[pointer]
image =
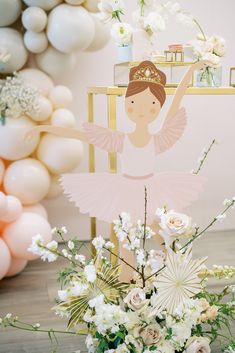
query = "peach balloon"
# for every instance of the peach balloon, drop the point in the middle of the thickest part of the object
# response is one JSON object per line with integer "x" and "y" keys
{"x": 60, "y": 96}
{"x": 63, "y": 117}
{"x": 38, "y": 79}
{"x": 2, "y": 170}
{"x": 28, "y": 180}
{"x": 44, "y": 110}
{"x": 38, "y": 209}
{"x": 55, "y": 188}
{"x": 16, "y": 266}
{"x": 3, "y": 204}
{"x": 60, "y": 155}
{"x": 18, "y": 235}
{"x": 12, "y": 136}
{"x": 2, "y": 225}
{"x": 5, "y": 259}
{"x": 13, "y": 209}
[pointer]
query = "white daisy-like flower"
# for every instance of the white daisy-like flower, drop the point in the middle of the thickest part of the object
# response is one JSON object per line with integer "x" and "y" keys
{"x": 178, "y": 281}
{"x": 90, "y": 273}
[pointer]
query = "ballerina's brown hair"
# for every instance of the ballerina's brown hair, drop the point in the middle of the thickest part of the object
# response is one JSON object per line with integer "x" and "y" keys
{"x": 144, "y": 76}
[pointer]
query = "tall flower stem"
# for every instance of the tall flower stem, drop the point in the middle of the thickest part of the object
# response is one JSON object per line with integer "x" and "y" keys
{"x": 200, "y": 28}
{"x": 145, "y": 225}
{"x": 205, "y": 155}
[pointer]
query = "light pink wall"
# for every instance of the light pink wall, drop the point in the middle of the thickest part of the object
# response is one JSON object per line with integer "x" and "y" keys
{"x": 208, "y": 117}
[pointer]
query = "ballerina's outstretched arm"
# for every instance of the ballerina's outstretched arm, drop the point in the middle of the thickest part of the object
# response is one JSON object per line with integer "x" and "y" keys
{"x": 181, "y": 89}
{"x": 104, "y": 138}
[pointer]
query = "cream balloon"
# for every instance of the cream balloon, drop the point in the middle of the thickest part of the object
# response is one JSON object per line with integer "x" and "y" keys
{"x": 74, "y": 2}
{"x": 28, "y": 180}
{"x": 34, "y": 19}
{"x": 58, "y": 154}
{"x": 38, "y": 79}
{"x": 13, "y": 209}
{"x": 13, "y": 145}
{"x": 12, "y": 41}
{"x": 2, "y": 170}
{"x": 91, "y": 5}
{"x": 102, "y": 34}
{"x": 16, "y": 266}
{"x": 9, "y": 11}
{"x": 44, "y": 109}
{"x": 18, "y": 235}
{"x": 55, "y": 188}
{"x": 3, "y": 204}
{"x": 35, "y": 42}
{"x": 55, "y": 63}
{"x": 63, "y": 117}
{"x": 44, "y": 4}
{"x": 5, "y": 259}
{"x": 38, "y": 209}
{"x": 60, "y": 96}
{"x": 70, "y": 28}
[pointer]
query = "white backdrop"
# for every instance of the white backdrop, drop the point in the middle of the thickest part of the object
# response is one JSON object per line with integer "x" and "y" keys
{"x": 208, "y": 117}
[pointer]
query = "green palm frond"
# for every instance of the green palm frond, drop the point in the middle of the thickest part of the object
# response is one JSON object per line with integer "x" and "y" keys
{"x": 107, "y": 283}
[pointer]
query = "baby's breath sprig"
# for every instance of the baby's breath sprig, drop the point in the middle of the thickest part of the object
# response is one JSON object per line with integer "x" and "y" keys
{"x": 204, "y": 156}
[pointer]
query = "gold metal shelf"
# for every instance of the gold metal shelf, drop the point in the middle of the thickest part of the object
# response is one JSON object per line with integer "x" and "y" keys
{"x": 120, "y": 91}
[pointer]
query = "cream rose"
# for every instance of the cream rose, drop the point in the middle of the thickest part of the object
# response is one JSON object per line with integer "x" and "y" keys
{"x": 198, "y": 345}
{"x": 150, "y": 334}
{"x": 136, "y": 299}
{"x": 204, "y": 304}
{"x": 212, "y": 312}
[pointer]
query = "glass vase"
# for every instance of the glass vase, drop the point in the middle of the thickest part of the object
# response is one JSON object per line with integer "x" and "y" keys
{"x": 124, "y": 53}
{"x": 209, "y": 77}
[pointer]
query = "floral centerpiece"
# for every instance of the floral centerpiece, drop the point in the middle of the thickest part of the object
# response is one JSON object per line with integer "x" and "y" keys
{"x": 165, "y": 308}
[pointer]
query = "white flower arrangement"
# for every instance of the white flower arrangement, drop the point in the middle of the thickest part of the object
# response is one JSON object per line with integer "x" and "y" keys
{"x": 165, "y": 308}
{"x": 122, "y": 33}
{"x": 17, "y": 98}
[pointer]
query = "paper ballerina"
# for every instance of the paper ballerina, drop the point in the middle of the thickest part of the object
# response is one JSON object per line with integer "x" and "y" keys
{"x": 106, "y": 195}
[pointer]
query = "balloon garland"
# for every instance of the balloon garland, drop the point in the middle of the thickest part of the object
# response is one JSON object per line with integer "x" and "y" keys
{"x": 29, "y": 170}
{"x": 52, "y": 31}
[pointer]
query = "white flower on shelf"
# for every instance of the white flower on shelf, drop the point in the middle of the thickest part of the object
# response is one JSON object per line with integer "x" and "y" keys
{"x": 90, "y": 273}
{"x": 185, "y": 18}
{"x": 122, "y": 33}
{"x": 154, "y": 22}
{"x": 109, "y": 7}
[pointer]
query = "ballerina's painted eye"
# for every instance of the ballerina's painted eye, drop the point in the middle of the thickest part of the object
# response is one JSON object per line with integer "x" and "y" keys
{"x": 132, "y": 102}
{"x": 154, "y": 102}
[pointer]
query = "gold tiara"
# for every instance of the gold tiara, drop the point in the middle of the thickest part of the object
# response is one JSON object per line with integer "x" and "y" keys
{"x": 147, "y": 74}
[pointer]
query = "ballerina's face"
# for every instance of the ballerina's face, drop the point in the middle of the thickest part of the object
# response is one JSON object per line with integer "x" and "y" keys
{"x": 142, "y": 107}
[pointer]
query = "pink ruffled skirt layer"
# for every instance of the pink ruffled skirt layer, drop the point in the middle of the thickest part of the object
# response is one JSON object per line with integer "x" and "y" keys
{"x": 105, "y": 195}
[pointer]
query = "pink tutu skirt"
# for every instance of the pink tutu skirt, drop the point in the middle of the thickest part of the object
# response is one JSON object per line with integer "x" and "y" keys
{"x": 106, "y": 195}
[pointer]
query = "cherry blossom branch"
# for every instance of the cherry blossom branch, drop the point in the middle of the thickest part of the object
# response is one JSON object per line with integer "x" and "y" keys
{"x": 205, "y": 155}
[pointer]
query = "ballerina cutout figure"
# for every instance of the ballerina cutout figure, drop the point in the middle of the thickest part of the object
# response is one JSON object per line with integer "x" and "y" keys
{"x": 106, "y": 195}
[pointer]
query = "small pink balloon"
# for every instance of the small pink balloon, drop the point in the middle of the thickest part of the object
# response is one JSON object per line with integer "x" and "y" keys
{"x": 5, "y": 259}
{"x": 18, "y": 235}
{"x": 3, "y": 204}
{"x": 2, "y": 170}
{"x": 16, "y": 266}
{"x": 13, "y": 209}
{"x": 38, "y": 209}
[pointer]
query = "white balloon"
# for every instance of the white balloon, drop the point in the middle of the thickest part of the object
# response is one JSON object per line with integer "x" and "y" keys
{"x": 34, "y": 19}
{"x": 70, "y": 28}
{"x": 55, "y": 63}
{"x": 9, "y": 11}
{"x": 91, "y": 5}
{"x": 38, "y": 79}
{"x": 38, "y": 209}
{"x": 13, "y": 209}
{"x": 63, "y": 117}
{"x": 102, "y": 34}
{"x": 60, "y": 155}
{"x": 44, "y": 4}
{"x": 12, "y": 41}
{"x": 60, "y": 96}
{"x": 28, "y": 180}
{"x": 74, "y": 2}
{"x": 2, "y": 171}
{"x": 55, "y": 188}
{"x": 35, "y": 42}
{"x": 44, "y": 110}
{"x": 13, "y": 145}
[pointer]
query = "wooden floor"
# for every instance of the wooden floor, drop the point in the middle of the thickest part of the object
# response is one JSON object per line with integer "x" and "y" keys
{"x": 30, "y": 296}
